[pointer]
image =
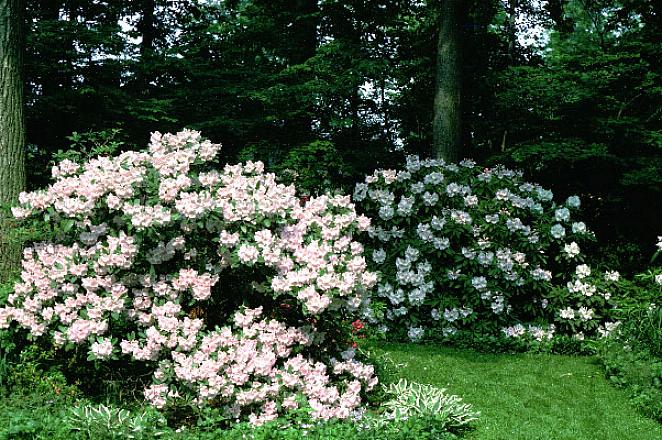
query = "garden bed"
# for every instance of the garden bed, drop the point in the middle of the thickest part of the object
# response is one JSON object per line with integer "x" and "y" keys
{"x": 520, "y": 396}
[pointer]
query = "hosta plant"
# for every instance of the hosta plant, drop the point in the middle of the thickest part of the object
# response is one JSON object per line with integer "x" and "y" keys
{"x": 219, "y": 281}
{"x": 410, "y": 400}
{"x": 102, "y": 421}
{"x": 465, "y": 248}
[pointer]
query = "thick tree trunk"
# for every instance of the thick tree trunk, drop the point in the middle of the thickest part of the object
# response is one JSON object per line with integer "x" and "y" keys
{"x": 12, "y": 127}
{"x": 556, "y": 11}
{"x": 305, "y": 30}
{"x": 146, "y": 27}
{"x": 304, "y": 38}
{"x": 447, "y": 122}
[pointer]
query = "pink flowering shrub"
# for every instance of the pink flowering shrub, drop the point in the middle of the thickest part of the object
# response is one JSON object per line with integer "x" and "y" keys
{"x": 155, "y": 250}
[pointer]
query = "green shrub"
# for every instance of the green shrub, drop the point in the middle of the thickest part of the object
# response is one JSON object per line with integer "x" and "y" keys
{"x": 136, "y": 279}
{"x": 637, "y": 370}
{"x": 314, "y": 168}
{"x": 632, "y": 356}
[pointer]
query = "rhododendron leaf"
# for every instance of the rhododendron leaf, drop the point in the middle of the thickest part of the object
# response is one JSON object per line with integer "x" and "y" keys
{"x": 67, "y": 225}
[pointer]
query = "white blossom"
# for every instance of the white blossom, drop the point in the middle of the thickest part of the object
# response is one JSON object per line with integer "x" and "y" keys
{"x": 557, "y": 231}
{"x": 579, "y": 228}
{"x": 583, "y": 271}
{"x": 573, "y": 202}
{"x": 567, "y": 313}
{"x": 415, "y": 333}
{"x": 562, "y": 215}
{"x": 379, "y": 255}
{"x": 572, "y": 249}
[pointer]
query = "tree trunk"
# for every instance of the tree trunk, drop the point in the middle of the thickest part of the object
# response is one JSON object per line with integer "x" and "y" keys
{"x": 447, "y": 122}
{"x": 556, "y": 11}
{"x": 512, "y": 29}
{"x": 304, "y": 38}
{"x": 147, "y": 28}
{"x": 12, "y": 128}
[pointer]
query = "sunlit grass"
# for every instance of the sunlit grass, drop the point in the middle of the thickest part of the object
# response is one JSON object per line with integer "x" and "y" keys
{"x": 528, "y": 396}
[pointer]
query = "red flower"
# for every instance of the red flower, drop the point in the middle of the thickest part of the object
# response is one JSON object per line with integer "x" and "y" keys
{"x": 358, "y": 325}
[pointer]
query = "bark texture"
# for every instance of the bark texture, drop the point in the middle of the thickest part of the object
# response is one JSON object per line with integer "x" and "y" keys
{"x": 12, "y": 128}
{"x": 447, "y": 122}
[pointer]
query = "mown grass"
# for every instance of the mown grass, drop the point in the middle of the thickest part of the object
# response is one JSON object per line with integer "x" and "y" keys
{"x": 527, "y": 396}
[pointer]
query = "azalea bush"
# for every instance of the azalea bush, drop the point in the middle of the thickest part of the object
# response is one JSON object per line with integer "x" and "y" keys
{"x": 221, "y": 283}
{"x": 462, "y": 248}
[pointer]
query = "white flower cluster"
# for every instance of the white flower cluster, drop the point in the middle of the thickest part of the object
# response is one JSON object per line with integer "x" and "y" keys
{"x": 459, "y": 246}
{"x": 587, "y": 302}
{"x": 536, "y": 332}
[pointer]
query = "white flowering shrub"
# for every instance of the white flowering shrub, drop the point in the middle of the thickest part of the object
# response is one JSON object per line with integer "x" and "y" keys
{"x": 584, "y": 305}
{"x": 220, "y": 282}
{"x": 465, "y": 248}
{"x": 657, "y": 273}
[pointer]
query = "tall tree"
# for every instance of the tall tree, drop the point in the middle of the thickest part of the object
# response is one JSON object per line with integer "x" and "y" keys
{"x": 511, "y": 28}
{"x": 12, "y": 125}
{"x": 447, "y": 122}
{"x": 557, "y": 13}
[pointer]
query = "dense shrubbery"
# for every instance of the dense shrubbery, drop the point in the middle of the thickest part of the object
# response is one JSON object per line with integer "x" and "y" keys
{"x": 464, "y": 248}
{"x": 632, "y": 356}
{"x": 632, "y": 359}
{"x": 236, "y": 296}
{"x": 221, "y": 283}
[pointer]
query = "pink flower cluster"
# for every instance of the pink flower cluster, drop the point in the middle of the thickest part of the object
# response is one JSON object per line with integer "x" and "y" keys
{"x": 152, "y": 233}
{"x": 253, "y": 371}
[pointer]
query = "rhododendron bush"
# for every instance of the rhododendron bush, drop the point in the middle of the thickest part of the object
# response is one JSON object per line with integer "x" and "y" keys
{"x": 221, "y": 282}
{"x": 465, "y": 248}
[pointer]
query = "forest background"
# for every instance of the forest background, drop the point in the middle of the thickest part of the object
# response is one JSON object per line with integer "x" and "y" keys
{"x": 324, "y": 92}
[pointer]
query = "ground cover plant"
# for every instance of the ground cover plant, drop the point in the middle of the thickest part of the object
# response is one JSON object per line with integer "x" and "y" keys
{"x": 464, "y": 248}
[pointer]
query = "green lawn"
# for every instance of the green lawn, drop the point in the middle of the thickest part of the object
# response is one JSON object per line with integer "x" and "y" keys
{"x": 528, "y": 396}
